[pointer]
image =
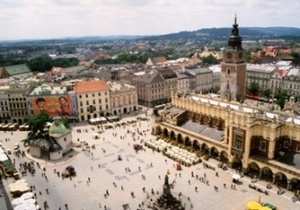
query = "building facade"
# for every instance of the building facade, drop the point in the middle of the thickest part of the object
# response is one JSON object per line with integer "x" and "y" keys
{"x": 123, "y": 98}
{"x": 291, "y": 82}
{"x": 93, "y": 99}
{"x": 150, "y": 87}
{"x": 244, "y": 137}
{"x": 261, "y": 141}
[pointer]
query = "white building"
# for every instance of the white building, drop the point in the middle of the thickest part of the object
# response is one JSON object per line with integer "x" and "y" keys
{"x": 93, "y": 99}
{"x": 123, "y": 98}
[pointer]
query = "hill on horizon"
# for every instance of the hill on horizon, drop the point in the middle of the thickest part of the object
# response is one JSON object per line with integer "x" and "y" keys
{"x": 249, "y": 33}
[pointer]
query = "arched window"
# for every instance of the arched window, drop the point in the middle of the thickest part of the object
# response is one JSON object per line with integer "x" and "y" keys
{"x": 228, "y": 71}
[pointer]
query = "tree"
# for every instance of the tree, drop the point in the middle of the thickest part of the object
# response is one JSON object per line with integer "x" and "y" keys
{"x": 210, "y": 60}
{"x": 281, "y": 96}
{"x": 253, "y": 88}
{"x": 37, "y": 124}
{"x": 267, "y": 93}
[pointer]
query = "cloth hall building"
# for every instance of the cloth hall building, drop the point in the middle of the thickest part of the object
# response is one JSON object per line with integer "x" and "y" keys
{"x": 263, "y": 141}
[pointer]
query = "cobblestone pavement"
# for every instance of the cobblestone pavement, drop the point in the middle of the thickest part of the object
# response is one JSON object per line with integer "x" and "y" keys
{"x": 144, "y": 169}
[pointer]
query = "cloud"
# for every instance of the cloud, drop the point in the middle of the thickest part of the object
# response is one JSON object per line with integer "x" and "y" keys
{"x": 59, "y": 18}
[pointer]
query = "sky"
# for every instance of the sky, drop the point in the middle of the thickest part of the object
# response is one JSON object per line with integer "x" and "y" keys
{"x": 50, "y": 19}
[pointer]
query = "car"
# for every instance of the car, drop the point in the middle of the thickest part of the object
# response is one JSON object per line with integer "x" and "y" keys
{"x": 69, "y": 171}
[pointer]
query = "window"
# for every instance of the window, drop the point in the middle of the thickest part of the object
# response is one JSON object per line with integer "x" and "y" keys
{"x": 86, "y": 95}
{"x": 263, "y": 145}
{"x": 80, "y": 96}
{"x": 87, "y": 102}
{"x": 228, "y": 71}
{"x": 99, "y": 94}
{"x": 93, "y": 95}
{"x": 298, "y": 148}
{"x": 238, "y": 142}
{"x": 286, "y": 144}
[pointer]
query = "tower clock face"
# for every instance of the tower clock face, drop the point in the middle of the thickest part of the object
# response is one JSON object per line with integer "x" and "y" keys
{"x": 229, "y": 55}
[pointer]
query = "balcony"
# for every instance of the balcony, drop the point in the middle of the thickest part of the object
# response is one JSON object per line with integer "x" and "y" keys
{"x": 236, "y": 151}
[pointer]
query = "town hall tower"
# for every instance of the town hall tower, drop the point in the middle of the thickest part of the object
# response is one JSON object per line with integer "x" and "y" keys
{"x": 233, "y": 68}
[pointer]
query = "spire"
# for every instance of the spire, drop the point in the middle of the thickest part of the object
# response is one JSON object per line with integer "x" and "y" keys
{"x": 235, "y": 18}
{"x": 235, "y": 41}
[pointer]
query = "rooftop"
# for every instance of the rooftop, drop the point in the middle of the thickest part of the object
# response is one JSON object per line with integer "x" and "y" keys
{"x": 91, "y": 86}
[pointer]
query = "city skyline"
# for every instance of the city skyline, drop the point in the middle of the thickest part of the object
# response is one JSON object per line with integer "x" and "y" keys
{"x": 48, "y": 19}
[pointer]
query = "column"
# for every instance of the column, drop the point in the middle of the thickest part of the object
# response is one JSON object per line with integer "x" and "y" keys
{"x": 260, "y": 173}
{"x": 288, "y": 187}
{"x": 247, "y": 148}
{"x": 271, "y": 149}
{"x": 274, "y": 177}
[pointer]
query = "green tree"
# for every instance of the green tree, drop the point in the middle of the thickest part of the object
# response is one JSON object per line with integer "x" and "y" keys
{"x": 209, "y": 60}
{"x": 267, "y": 93}
{"x": 37, "y": 124}
{"x": 253, "y": 88}
{"x": 281, "y": 96}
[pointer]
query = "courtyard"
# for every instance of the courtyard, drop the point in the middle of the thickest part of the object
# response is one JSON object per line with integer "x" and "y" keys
{"x": 113, "y": 174}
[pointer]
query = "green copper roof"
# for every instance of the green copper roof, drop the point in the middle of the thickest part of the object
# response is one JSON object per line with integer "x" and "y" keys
{"x": 58, "y": 129}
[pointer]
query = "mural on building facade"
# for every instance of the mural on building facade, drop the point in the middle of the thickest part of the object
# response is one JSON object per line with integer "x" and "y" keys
{"x": 56, "y": 105}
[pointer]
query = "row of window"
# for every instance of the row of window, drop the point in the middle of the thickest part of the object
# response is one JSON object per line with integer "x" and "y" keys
{"x": 94, "y": 102}
{"x": 16, "y": 99}
{"x": 263, "y": 146}
{"x": 93, "y": 108}
{"x": 93, "y": 95}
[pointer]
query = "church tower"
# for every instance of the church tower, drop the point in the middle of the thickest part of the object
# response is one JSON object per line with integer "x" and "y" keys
{"x": 233, "y": 68}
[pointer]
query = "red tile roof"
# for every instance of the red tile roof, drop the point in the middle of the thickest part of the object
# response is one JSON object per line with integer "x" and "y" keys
{"x": 91, "y": 86}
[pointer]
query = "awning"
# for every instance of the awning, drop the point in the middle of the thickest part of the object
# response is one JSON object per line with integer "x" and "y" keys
{"x": 253, "y": 205}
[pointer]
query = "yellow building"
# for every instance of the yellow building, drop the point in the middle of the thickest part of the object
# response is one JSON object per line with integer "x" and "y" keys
{"x": 256, "y": 140}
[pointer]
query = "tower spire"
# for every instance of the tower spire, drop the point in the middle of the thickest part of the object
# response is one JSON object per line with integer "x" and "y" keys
{"x": 235, "y": 19}
{"x": 235, "y": 41}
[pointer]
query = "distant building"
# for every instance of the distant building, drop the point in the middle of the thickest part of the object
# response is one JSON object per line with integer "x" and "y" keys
{"x": 20, "y": 71}
{"x": 156, "y": 61}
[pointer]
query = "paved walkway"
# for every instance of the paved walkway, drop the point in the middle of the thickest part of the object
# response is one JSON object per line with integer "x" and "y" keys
{"x": 145, "y": 169}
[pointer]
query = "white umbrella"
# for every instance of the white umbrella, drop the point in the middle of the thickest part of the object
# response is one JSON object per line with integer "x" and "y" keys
{"x": 236, "y": 176}
{"x": 21, "y": 207}
{"x": 31, "y": 207}
{"x": 17, "y": 201}
{"x": 28, "y": 195}
{"x": 29, "y": 202}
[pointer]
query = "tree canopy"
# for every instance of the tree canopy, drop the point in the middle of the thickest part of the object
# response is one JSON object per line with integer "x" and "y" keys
{"x": 253, "y": 88}
{"x": 37, "y": 124}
